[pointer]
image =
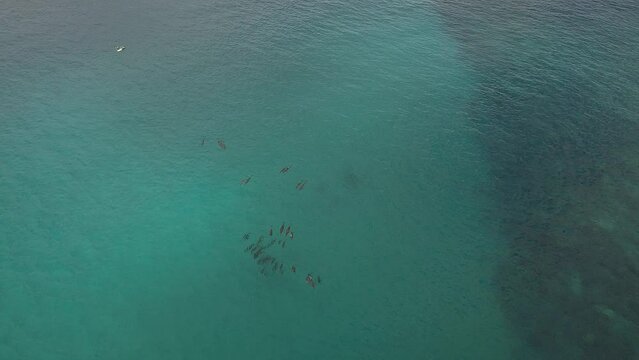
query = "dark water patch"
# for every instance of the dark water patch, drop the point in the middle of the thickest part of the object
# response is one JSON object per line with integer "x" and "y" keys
{"x": 557, "y": 110}
{"x": 351, "y": 179}
{"x": 571, "y": 282}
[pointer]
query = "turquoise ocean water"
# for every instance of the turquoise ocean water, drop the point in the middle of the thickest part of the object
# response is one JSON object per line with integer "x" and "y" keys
{"x": 441, "y": 150}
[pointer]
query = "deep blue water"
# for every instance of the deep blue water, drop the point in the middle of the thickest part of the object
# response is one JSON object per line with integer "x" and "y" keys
{"x": 469, "y": 176}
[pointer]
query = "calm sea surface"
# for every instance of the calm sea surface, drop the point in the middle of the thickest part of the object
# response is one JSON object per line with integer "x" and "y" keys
{"x": 462, "y": 179}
